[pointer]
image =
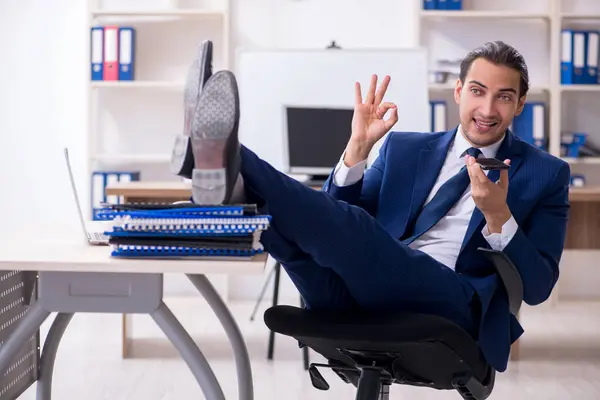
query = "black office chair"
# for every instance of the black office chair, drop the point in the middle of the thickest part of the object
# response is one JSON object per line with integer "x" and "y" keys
{"x": 373, "y": 352}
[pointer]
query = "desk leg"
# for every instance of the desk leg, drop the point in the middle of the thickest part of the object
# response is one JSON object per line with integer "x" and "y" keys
{"x": 28, "y": 326}
{"x": 240, "y": 352}
{"x": 126, "y": 334}
{"x": 44, "y": 384}
{"x": 188, "y": 350}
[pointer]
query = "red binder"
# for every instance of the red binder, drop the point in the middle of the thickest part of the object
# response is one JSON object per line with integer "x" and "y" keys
{"x": 111, "y": 53}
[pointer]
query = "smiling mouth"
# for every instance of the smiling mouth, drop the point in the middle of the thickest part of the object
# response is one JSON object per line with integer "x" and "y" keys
{"x": 481, "y": 123}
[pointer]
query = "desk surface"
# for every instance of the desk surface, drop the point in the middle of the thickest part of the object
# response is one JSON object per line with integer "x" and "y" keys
{"x": 590, "y": 193}
{"x": 157, "y": 189}
{"x": 81, "y": 257}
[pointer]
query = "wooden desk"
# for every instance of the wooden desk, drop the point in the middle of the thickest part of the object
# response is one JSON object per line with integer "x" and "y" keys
{"x": 150, "y": 192}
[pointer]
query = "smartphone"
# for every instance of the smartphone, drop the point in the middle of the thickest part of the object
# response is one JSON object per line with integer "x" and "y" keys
{"x": 491, "y": 164}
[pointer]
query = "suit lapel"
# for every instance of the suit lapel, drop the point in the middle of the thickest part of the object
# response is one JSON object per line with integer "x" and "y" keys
{"x": 430, "y": 163}
{"x": 509, "y": 149}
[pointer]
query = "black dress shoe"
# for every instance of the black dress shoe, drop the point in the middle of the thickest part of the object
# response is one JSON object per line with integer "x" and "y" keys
{"x": 182, "y": 158}
{"x": 215, "y": 142}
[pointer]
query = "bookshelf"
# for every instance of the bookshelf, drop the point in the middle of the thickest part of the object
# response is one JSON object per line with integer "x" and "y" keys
{"x": 132, "y": 124}
{"x": 534, "y": 27}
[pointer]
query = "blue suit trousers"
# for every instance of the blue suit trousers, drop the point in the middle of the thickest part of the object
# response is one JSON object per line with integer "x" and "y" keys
{"x": 340, "y": 257}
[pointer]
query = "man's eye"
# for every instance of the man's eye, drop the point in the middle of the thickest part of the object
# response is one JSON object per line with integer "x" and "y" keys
{"x": 475, "y": 90}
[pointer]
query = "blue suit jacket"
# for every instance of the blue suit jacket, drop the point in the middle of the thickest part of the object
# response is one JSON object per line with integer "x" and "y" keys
{"x": 396, "y": 186}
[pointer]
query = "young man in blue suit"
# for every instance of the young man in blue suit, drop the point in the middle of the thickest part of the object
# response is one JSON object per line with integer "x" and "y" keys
{"x": 403, "y": 235}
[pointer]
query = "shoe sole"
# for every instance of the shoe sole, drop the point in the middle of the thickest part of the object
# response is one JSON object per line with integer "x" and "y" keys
{"x": 214, "y": 140}
{"x": 182, "y": 158}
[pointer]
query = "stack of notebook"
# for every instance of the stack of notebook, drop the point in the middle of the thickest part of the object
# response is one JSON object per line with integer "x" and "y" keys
{"x": 185, "y": 230}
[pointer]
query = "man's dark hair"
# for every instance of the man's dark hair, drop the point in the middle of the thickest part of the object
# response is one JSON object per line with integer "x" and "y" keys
{"x": 498, "y": 53}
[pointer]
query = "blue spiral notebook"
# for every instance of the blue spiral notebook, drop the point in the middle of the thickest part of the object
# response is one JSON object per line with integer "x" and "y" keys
{"x": 184, "y": 232}
{"x": 189, "y": 226}
{"x": 113, "y": 213}
{"x": 154, "y": 251}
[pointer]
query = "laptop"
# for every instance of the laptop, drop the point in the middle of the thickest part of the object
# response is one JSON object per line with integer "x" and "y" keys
{"x": 94, "y": 231}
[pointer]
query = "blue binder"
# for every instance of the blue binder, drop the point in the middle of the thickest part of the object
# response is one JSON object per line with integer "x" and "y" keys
{"x": 454, "y": 5}
{"x": 438, "y": 115}
{"x": 430, "y": 4}
{"x": 442, "y": 4}
{"x": 579, "y": 56}
{"x": 126, "y": 53}
{"x": 590, "y": 75}
{"x": 97, "y": 52}
{"x": 530, "y": 125}
{"x": 566, "y": 58}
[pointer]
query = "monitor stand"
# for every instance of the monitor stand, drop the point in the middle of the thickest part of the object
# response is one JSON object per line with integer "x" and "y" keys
{"x": 316, "y": 180}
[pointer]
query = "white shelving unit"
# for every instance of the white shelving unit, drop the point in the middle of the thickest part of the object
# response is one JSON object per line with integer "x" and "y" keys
{"x": 132, "y": 124}
{"x": 533, "y": 27}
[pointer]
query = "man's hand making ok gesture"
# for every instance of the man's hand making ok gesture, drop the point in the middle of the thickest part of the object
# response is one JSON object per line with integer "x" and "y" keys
{"x": 368, "y": 123}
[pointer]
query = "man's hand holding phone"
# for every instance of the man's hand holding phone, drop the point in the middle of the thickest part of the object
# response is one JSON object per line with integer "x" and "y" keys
{"x": 488, "y": 196}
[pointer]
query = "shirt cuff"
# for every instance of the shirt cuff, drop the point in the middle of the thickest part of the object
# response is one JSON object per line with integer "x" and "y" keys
{"x": 498, "y": 241}
{"x": 346, "y": 176}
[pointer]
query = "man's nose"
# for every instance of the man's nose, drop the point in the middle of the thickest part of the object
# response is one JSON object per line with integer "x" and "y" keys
{"x": 488, "y": 108}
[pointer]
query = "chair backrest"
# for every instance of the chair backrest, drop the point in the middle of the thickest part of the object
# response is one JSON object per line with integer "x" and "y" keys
{"x": 510, "y": 276}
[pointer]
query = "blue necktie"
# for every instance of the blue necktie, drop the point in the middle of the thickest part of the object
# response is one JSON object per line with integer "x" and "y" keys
{"x": 445, "y": 198}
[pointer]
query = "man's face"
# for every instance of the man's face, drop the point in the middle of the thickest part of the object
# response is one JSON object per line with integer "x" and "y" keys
{"x": 488, "y": 101}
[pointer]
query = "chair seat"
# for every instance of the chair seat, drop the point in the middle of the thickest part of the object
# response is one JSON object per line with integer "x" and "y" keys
{"x": 416, "y": 349}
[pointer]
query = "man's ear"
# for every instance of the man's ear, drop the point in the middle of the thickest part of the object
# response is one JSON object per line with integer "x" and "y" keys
{"x": 521, "y": 105}
{"x": 457, "y": 91}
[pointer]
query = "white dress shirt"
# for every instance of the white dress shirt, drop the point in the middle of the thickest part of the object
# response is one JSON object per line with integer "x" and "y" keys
{"x": 444, "y": 240}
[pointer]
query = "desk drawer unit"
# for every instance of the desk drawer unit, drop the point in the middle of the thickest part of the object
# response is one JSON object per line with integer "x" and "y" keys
{"x": 16, "y": 293}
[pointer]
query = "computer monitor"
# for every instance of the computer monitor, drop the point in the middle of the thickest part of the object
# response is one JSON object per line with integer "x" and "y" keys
{"x": 316, "y": 138}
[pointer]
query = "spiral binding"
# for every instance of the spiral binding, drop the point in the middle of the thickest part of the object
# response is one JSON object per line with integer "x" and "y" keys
{"x": 232, "y": 211}
{"x": 179, "y": 251}
{"x": 193, "y": 226}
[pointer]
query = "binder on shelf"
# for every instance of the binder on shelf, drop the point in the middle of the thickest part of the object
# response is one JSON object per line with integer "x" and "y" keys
{"x": 566, "y": 58}
{"x": 579, "y": 52}
{"x": 430, "y": 4}
{"x": 452, "y": 5}
{"x": 111, "y": 53}
{"x": 442, "y": 4}
{"x": 97, "y": 53}
{"x": 100, "y": 179}
{"x": 126, "y": 53}
{"x": 591, "y": 57}
{"x": 530, "y": 125}
{"x": 438, "y": 115}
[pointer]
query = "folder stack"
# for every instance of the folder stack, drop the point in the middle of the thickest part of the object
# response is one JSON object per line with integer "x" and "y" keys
{"x": 112, "y": 53}
{"x": 579, "y": 57}
{"x": 185, "y": 230}
{"x": 442, "y": 4}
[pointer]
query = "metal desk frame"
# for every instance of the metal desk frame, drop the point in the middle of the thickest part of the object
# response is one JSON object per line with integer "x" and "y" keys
{"x": 69, "y": 292}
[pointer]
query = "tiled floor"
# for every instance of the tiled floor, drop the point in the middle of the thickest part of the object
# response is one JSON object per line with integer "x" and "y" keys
{"x": 560, "y": 359}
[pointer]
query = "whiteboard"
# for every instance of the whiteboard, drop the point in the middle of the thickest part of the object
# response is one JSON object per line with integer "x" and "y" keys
{"x": 269, "y": 81}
